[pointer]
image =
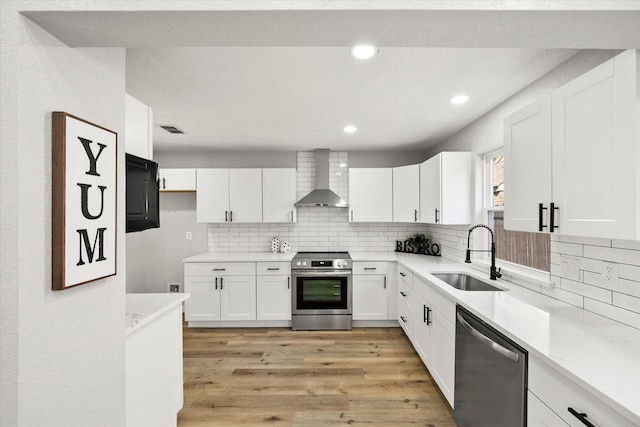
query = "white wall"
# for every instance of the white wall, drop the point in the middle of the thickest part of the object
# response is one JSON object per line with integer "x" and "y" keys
{"x": 63, "y": 352}
{"x": 622, "y": 302}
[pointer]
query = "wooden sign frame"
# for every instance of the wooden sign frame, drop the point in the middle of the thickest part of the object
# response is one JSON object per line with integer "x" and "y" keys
{"x": 84, "y": 195}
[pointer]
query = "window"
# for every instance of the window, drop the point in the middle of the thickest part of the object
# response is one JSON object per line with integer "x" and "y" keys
{"x": 516, "y": 247}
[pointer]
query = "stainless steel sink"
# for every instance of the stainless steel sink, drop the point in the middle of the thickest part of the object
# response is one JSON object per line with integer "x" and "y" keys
{"x": 465, "y": 282}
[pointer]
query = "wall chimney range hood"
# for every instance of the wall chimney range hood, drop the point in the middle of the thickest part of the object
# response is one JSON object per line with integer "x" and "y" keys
{"x": 322, "y": 195}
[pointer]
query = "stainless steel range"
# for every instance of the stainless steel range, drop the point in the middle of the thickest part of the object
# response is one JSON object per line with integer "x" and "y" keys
{"x": 322, "y": 291}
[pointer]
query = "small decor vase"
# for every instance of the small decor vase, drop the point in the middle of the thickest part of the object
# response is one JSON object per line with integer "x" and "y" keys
{"x": 275, "y": 244}
{"x": 285, "y": 248}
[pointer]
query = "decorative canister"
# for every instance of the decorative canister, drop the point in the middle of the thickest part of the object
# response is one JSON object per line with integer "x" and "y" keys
{"x": 285, "y": 248}
{"x": 275, "y": 244}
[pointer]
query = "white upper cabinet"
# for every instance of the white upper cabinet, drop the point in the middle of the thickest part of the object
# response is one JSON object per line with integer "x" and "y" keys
{"x": 370, "y": 195}
{"x": 245, "y": 195}
{"x": 527, "y": 167}
{"x": 138, "y": 128}
{"x": 229, "y": 195}
{"x": 590, "y": 161}
{"x": 177, "y": 179}
{"x": 445, "y": 189}
{"x": 278, "y": 195}
{"x": 406, "y": 193}
{"x": 596, "y": 151}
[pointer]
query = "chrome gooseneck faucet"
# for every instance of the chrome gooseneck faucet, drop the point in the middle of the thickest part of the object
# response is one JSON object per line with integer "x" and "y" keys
{"x": 494, "y": 273}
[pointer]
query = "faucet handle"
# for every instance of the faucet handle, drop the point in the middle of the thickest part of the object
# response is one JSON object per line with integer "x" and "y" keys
{"x": 498, "y": 272}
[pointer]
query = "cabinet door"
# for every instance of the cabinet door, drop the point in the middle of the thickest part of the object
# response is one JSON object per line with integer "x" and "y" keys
{"x": 204, "y": 303}
{"x": 177, "y": 179}
{"x": 278, "y": 195}
{"x": 370, "y": 195}
{"x": 596, "y": 151}
{"x": 539, "y": 415}
{"x": 455, "y": 188}
{"x": 430, "y": 197}
{"x": 212, "y": 197}
{"x": 443, "y": 353}
{"x": 138, "y": 128}
{"x": 370, "y": 297}
{"x": 406, "y": 193}
{"x": 238, "y": 298}
{"x": 527, "y": 166}
{"x": 245, "y": 195}
{"x": 274, "y": 297}
{"x": 423, "y": 339}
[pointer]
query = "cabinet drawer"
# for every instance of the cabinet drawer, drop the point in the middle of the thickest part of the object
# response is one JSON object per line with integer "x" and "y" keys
{"x": 369, "y": 267}
{"x": 560, "y": 394}
{"x": 220, "y": 268}
{"x": 405, "y": 276}
{"x": 273, "y": 268}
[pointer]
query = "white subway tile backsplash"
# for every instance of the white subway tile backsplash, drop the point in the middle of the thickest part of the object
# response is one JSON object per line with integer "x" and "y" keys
{"x": 583, "y": 289}
{"x": 626, "y": 301}
{"x": 566, "y": 248}
{"x": 622, "y": 256}
{"x": 616, "y": 313}
{"x": 626, "y": 244}
{"x": 566, "y": 296}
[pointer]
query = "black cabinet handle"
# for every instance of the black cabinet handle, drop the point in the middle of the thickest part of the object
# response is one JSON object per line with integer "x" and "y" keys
{"x": 415, "y": 215}
{"x": 221, "y": 283}
{"x": 230, "y": 216}
{"x": 403, "y": 319}
{"x": 352, "y": 215}
{"x": 580, "y": 416}
{"x": 288, "y": 282}
{"x": 385, "y": 282}
{"x": 541, "y": 208}
{"x": 552, "y": 216}
{"x": 226, "y": 216}
{"x": 402, "y": 274}
{"x": 403, "y": 294}
{"x": 216, "y": 283}
{"x": 426, "y": 312}
{"x": 291, "y": 216}
{"x": 273, "y": 269}
{"x": 164, "y": 183}
{"x": 219, "y": 269}
{"x": 436, "y": 216}
{"x": 370, "y": 268}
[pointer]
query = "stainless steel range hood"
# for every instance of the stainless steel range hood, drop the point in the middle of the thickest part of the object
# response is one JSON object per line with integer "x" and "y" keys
{"x": 322, "y": 195}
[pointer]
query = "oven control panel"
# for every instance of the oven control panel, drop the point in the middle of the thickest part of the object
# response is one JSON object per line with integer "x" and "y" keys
{"x": 336, "y": 264}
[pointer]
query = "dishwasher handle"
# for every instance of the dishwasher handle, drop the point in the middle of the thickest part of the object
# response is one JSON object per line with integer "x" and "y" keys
{"x": 485, "y": 339}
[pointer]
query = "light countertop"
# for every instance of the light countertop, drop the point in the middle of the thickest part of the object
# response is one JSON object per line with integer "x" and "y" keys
{"x": 240, "y": 257}
{"x": 601, "y": 355}
{"x": 143, "y": 309}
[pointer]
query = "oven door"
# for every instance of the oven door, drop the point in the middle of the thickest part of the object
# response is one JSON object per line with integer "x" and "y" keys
{"x": 321, "y": 292}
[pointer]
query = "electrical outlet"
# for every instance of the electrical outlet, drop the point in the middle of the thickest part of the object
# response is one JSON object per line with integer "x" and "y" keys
{"x": 609, "y": 275}
{"x": 189, "y": 236}
{"x": 570, "y": 268}
{"x": 174, "y": 287}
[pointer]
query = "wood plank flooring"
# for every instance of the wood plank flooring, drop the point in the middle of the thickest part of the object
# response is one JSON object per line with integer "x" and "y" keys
{"x": 280, "y": 377}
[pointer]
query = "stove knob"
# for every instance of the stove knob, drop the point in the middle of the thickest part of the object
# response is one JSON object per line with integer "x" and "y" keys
{"x": 298, "y": 263}
{"x": 304, "y": 263}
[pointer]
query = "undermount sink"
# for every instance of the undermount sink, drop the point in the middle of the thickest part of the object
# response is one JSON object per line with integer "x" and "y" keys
{"x": 465, "y": 282}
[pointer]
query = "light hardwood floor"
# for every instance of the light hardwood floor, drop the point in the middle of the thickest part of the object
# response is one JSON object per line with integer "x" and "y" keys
{"x": 280, "y": 377}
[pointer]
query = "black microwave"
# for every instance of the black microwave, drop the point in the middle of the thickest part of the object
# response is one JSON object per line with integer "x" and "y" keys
{"x": 143, "y": 194}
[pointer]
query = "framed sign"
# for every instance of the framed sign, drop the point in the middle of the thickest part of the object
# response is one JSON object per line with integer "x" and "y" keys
{"x": 84, "y": 196}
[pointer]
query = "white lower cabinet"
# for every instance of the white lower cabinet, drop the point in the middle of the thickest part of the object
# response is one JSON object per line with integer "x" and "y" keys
{"x": 539, "y": 415}
{"x": 372, "y": 292}
{"x": 274, "y": 291}
{"x": 434, "y": 336}
{"x": 220, "y": 291}
{"x": 566, "y": 400}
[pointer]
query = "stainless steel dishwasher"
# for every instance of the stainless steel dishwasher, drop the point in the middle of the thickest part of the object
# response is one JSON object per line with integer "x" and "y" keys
{"x": 490, "y": 376}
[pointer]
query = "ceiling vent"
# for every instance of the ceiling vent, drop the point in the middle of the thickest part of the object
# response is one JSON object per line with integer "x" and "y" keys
{"x": 171, "y": 129}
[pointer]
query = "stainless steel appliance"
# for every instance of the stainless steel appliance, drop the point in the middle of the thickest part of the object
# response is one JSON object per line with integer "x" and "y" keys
{"x": 322, "y": 291}
{"x": 490, "y": 376}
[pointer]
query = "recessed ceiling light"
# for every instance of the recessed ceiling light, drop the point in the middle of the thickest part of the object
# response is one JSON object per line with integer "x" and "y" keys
{"x": 363, "y": 51}
{"x": 350, "y": 129}
{"x": 459, "y": 99}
